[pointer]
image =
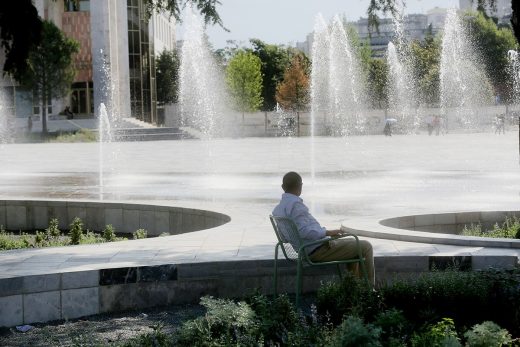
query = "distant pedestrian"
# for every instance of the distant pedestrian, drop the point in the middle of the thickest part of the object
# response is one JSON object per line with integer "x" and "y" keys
{"x": 429, "y": 124}
{"x": 500, "y": 126}
{"x": 68, "y": 112}
{"x": 437, "y": 124}
{"x": 388, "y": 126}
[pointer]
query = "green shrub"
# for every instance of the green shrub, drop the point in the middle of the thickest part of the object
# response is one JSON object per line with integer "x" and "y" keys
{"x": 53, "y": 230}
{"x": 441, "y": 334}
{"x": 9, "y": 241}
{"x": 395, "y": 328}
{"x": 156, "y": 338}
{"x": 82, "y": 135}
{"x": 140, "y": 234}
{"x": 39, "y": 238}
{"x": 510, "y": 228}
{"x": 351, "y": 296}
{"x": 76, "y": 231}
{"x": 487, "y": 334}
{"x": 468, "y": 297}
{"x": 109, "y": 234}
{"x": 432, "y": 296}
{"x": 354, "y": 333}
{"x": 225, "y": 323}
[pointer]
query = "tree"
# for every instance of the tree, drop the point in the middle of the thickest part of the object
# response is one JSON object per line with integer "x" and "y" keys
{"x": 275, "y": 60}
{"x": 293, "y": 92}
{"x": 20, "y": 26}
{"x": 386, "y": 6}
{"x": 20, "y": 30}
{"x": 167, "y": 77}
{"x": 377, "y": 82}
{"x": 207, "y": 9}
{"x": 50, "y": 72}
{"x": 244, "y": 79}
{"x": 494, "y": 43}
{"x": 426, "y": 57}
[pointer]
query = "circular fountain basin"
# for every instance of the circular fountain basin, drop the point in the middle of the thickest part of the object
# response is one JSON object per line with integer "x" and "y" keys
{"x": 126, "y": 218}
{"x": 441, "y": 228}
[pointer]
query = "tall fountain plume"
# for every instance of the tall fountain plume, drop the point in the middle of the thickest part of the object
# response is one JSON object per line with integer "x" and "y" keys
{"x": 346, "y": 86}
{"x": 463, "y": 82}
{"x": 320, "y": 96}
{"x": 514, "y": 71}
{"x": 202, "y": 91}
{"x": 6, "y": 119}
{"x": 402, "y": 94}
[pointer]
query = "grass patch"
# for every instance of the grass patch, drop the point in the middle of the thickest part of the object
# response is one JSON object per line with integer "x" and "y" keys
{"x": 82, "y": 135}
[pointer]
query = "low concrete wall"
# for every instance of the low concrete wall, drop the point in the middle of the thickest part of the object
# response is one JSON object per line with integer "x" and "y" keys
{"x": 441, "y": 228}
{"x": 449, "y": 223}
{"x": 18, "y": 215}
{"x": 48, "y": 297}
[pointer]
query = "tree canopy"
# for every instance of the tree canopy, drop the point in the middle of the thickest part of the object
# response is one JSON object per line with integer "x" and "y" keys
{"x": 493, "y": 43}
{"x": 50, "y": 70}
{"x": 426, "y": 56}
{"x": 20, "y": 30}
{"x": 207, "y": 8}
{"x": 166, "y": 76}
{"x": 385, "y": 6}
{"x": 293, "y": 92}
{"x": 244, "y": 79}
{"x": 275, "y": 60}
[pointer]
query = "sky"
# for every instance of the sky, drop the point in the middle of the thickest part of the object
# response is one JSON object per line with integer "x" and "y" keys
{"x": 289, "y": 21}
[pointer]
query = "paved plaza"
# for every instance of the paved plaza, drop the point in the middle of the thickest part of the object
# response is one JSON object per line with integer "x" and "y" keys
{"x": 345, "y": 180}
{"x": 370, "y": 176}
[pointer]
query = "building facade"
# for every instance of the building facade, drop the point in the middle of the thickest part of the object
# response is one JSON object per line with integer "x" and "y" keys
{"x": 415, "y": 27}
{"x": 115, "y": 64}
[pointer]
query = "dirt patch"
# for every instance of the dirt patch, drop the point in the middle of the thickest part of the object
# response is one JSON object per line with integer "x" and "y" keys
{"x": 101, "y": 330}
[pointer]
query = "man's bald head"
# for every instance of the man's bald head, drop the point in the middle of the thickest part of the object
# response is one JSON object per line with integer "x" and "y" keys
{"x": 292, "y": 183}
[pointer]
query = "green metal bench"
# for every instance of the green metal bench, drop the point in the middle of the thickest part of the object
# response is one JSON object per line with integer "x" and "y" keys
{"x": 287, "y": 231}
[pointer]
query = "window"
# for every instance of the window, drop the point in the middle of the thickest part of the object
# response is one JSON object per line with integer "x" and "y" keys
{"x": 76, "y": 6}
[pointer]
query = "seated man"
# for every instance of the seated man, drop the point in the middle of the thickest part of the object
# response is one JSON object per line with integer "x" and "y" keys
{"x": 292, "y": 206}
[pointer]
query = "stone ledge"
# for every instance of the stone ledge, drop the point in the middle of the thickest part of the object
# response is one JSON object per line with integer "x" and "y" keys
{"x": 125, "y": 217}
{"x": 75, "y": 294}
{"x": 434, "y": 228}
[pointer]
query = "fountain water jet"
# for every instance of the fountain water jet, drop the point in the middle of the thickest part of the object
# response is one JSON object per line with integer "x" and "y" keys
{"x": 202, "y": 91}
{"x": 105, "y": 138}
{"x": 464, "y": 85}
{"x": 402, "y": 94}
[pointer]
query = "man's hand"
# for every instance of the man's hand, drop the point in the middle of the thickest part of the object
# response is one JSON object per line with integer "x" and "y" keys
{"x": 336, "y": 232}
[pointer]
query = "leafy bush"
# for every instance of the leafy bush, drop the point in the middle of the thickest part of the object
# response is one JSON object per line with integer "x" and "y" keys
{"x": 441, "y": 334}
{"x": 350, "y": 296}
{"x": 76, "y": 231}
{"x": 395, "y": 329}
{"x": 510, "y": 228}
{"x": 225, "y": 323}
{"x": 140, "y": 234}
{"x": 354, "y": 333}
{"x": 467, "y": 297}
{"x": 82, "y": 135}
{"x": 487, "y": 334}
{"x": 10, "y": 241}
{"x": 432, "y": 296}
{"x": 109, "y": 233}
{"x": 53, "y": 230}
